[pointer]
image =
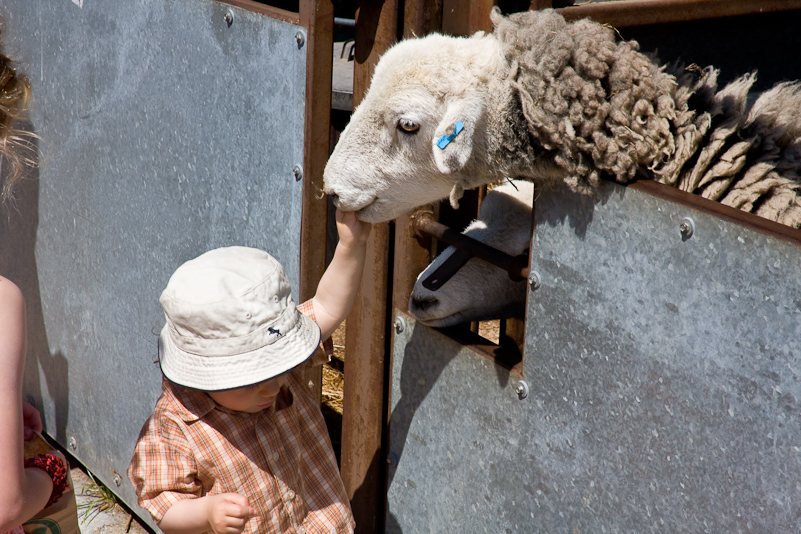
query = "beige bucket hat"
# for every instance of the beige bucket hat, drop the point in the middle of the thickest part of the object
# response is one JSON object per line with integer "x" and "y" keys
{"x": 231, "y": 321}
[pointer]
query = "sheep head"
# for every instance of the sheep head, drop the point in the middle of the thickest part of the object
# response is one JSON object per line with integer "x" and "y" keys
{"x": 388, "y": 160}
{"x": 541, "y": 98}
{"x": 480, "y": 291}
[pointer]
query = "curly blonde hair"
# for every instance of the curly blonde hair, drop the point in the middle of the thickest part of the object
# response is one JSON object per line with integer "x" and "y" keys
{"x": 16, "y": 145}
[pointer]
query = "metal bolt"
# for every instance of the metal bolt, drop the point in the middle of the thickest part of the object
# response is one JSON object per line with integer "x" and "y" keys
{"x": 392, "y": 459}
{"x": 117, "y": 479}
{"x": 72, "y": 443}
{"x": 298, "y": 173}
{"x": 229, "y": 18}
{"x": 687, "y": 228}
{"x": 534, "y": 280}
{"x": 300, "y": 38}
{"x": 400, "y": 325}
{"x": 521, "y": 390}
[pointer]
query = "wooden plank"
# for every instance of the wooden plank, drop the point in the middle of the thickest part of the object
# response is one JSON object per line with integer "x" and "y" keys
{"x": 461, "y": 17}
{"x": 411, "y": 257}
{"x": 622, "y": 13}
{"x": 363, "y": 462}
{"x": 421, "y": 17}
{"x": 317, "y": 16}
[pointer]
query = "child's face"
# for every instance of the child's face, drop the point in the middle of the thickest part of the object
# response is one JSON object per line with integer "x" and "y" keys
{"x": 250, "y": 399}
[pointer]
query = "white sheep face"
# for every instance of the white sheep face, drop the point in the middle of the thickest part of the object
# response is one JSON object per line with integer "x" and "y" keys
{"x": 386, "y": 161}
{"x": 480, "y": 291}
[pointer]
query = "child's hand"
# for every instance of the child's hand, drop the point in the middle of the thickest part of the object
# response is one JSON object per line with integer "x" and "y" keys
{"x": 352, "y": 231}
{"x": 229, "y": 512}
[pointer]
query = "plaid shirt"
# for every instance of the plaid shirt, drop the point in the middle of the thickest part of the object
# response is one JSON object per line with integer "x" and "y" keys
{"x": 281, "y": 458}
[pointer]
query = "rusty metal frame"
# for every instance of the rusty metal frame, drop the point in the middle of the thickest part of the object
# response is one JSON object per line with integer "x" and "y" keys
{"x": 623, "y": 13}
{"x": 727, "y": 213}
{"x": 270, "y": 11}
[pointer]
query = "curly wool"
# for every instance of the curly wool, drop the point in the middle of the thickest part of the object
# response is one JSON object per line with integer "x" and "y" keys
{"x": 602, "y": 107}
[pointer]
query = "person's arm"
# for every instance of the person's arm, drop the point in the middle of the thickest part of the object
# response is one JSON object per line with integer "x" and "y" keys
{"x": 337, "y": 289}
{"x": 24, "y": 492}
{"x": 225, "y": 513}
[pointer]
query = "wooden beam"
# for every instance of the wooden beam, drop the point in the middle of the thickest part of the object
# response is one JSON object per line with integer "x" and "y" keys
{"x": 317, "y": 16}
{"x": 421, "y": 17}
{"x": 625, "y": 13}
{"x": 365, "y": 400}
{"x": 460, "y": 17}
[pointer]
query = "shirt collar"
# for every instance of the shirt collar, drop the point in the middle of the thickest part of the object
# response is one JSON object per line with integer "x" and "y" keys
{"x": 284, "y": 398}
{"x": 188, "y": 404}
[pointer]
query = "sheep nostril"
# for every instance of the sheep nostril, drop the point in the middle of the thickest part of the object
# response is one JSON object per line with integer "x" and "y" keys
{"x": 334, "y": 198}
{"x": 424, "y": 304}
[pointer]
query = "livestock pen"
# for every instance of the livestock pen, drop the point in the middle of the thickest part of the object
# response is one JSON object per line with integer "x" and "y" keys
{"x": 593, "y": 445}
{"x": 653, "y": 385}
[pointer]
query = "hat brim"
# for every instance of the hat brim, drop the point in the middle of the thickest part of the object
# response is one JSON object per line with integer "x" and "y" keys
{"x": 220, "y": 373}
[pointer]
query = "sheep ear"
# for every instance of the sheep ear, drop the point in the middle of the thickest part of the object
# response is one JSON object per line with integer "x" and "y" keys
{"x": 453, "y": 138}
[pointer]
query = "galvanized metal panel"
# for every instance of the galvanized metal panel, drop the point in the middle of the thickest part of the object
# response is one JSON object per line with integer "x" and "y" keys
{"x": 664, "y": 386}
{"x": 460, "y": 450}
{"x": 165, "y": 132}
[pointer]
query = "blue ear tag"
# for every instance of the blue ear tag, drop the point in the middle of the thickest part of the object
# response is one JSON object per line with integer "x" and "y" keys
{"x": 447, "y": 138}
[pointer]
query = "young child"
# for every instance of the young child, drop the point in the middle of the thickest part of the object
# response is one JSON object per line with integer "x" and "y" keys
{"x": 237, "y": 442}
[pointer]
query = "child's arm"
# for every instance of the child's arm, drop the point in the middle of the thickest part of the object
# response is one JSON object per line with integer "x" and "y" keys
{"x": 225, "y": 513}
{"x": 337, "y": 290}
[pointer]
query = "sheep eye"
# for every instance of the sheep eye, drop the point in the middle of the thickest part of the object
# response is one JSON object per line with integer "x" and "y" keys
{"x": 408, "y": 126}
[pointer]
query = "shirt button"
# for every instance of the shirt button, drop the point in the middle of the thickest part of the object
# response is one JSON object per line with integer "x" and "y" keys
{"x": 275, "y": 457}
{"x": 290, "y": 495}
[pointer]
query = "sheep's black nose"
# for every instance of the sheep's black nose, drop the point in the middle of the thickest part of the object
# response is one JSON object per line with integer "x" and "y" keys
{"x": 334, "y": 198}
{"x": 424, "y": 304}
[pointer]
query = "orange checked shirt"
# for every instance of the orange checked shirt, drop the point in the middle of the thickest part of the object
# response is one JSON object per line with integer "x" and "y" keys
{"x": 281, "y": 458}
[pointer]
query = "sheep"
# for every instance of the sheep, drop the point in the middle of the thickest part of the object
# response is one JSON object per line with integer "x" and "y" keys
{"x": 504, "y": 222}
{"x": 560, "y": 102}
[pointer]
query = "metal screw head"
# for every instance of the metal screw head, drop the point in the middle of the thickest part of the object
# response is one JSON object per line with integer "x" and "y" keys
{"x": 297, "y": 172}
{"x": 300, "y": 38}
{"x": 400, "y": 325}
{"x": 117, "y": 479}
{"x": 521, "y": 390}
{"x": 72, "y": 443}
{"x": 229, "y": 18}
{"x": 534, "y": 280}
{"x": 687, "y": 228}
